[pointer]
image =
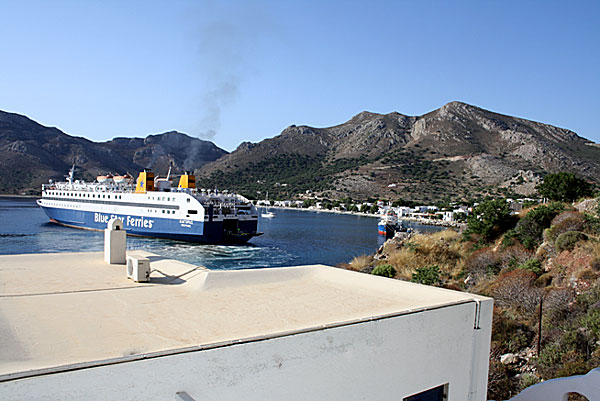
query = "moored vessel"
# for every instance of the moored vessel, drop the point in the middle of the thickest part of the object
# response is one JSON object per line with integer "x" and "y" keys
{"x": 389, "y": 225}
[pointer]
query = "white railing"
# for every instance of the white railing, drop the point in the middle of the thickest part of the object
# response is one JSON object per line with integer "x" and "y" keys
{"x": 559, "y": 389}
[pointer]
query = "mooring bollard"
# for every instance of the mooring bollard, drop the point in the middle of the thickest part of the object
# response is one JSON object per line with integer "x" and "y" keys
{"x": 115, "y": 239}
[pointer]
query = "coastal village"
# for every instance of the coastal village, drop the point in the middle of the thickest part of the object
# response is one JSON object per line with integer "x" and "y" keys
{"x": 451, "y": 216}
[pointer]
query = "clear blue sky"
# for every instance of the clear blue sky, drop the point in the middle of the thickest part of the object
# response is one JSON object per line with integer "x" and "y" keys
{"x": 234, "y": 71}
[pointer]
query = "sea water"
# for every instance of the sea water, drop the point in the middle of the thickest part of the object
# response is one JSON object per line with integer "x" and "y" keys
{"x": 291, "y": 238}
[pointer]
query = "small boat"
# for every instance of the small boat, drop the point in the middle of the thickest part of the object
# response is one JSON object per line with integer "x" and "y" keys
{"x": 267, "y": 215}
{"x": 389, "y": 225}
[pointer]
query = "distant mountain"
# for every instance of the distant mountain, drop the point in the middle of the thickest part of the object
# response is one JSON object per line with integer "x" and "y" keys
{"x": 457, "y": 151}
{"x": 31, "y": 153}
{"x": 173, "y": 148}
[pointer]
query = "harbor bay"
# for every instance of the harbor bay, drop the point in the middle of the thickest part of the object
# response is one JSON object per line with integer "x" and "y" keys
{"x": 293, "y": 237}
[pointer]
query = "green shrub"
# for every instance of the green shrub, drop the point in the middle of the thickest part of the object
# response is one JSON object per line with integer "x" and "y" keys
{"x": 549, "y": 359}
{"x": 530, "y": 228}
{"x": 384, "y": 271}
{"x": 591, "y": 224}
{"x": 528, "y": 379}
{"x": 509, "y": 238}
{"x": 567, "y": 241}
{"x": 533, "y": 265}
{"x": 429, "y": 275}
{"x": 490, "y": 219}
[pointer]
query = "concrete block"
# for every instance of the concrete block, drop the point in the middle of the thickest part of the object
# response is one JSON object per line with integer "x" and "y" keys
{"x": 115, "y": 242}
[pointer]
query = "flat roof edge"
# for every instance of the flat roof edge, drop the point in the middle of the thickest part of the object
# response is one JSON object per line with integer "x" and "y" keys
{"x": 158, "y": 354}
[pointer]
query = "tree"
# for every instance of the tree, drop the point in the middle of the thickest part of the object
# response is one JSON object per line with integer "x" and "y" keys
{"x": 565, "y": 187}
{"x": 490, "y": 219}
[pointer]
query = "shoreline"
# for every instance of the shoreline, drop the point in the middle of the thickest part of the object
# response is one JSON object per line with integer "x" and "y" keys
{"x": 425, "y": 222}
{"x": 19, "y": 196}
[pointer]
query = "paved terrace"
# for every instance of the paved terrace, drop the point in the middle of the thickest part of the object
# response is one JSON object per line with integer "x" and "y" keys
{"x": 72, "y": 310}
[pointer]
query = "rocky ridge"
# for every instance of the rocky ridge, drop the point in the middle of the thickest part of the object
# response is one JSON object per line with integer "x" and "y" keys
{"x": 458, "y": 150}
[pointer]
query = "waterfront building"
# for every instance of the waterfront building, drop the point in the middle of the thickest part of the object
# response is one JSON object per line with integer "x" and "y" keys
{"x": 74, "y": 327}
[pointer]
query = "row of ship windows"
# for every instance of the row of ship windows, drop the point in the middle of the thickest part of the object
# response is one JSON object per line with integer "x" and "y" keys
{"x": 108, "y": 202}
{"x": 164, "y": 198}
{"x": 81, "y": 195}
{"x": 62, "y": 205}
{"x": 104, "y": 196}
{"x": 163, "y": 210}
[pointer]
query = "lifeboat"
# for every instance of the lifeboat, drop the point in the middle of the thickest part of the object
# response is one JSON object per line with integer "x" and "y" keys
{"x": 103, "y": 179}
{"x": 123, "y": 179}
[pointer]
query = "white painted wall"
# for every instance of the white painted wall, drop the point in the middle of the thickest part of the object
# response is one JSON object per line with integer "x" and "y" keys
{"x": 386, "y": 359}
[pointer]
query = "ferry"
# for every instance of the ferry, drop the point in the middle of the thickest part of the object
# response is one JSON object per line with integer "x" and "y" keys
{"x": 151, "y": 208}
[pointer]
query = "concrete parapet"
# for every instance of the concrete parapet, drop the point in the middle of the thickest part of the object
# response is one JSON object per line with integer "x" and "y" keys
{"x": 115, "y": 242}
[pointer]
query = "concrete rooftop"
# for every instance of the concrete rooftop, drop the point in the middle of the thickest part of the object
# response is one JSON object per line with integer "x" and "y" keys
{"x": 60, "y": 311}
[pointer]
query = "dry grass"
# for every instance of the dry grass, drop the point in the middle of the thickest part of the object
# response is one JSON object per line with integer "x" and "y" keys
{"x": 360, "y": 263}
{"x": 443, "y": 249}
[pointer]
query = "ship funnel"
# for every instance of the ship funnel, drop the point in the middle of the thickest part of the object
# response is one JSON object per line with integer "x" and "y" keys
{"x": 145, "y": 182}
{"x": 187, "y": 181}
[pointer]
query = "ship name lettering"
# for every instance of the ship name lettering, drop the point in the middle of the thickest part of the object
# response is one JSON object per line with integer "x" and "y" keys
{"x": 100, "y": 218}
{"x": 139, "y": 222}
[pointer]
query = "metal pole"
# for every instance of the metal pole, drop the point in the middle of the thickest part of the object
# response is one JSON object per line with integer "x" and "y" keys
{"x": 539, "y": 344}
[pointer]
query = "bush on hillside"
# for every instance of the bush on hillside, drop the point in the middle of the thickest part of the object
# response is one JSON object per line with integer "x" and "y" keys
{"x": 513, "y": 256}
{"x": 568, "y": 240}
{"x": 516, "y": 289}
{"x": 490, "y": 219}
{"x": 429, "y": 275}
{"x": 384, "y": 271}
{"x": 591, "y": 224}
{"x": 533, "y": 265}
{"x": 557, "y": 305}
{"x": 530, "y": 228}
{"x": 481, "y": 263}
{"x": 566, "y": 221}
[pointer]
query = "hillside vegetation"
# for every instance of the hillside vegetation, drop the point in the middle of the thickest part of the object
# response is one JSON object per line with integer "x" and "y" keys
{"x": 545, "y": 258}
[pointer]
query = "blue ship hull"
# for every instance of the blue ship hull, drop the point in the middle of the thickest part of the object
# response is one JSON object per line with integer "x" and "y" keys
{"x": 212, "y": 232}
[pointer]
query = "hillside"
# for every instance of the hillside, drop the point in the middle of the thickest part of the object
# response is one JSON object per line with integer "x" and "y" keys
{"x": 33, "y": 153}
{"x": 543, "y": 263}
{"x": 457, "y": 151}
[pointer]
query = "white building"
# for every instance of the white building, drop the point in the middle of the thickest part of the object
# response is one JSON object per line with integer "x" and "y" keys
{"x": 73, "y": 327}
{"x": 447, "y": 216}
{"x": 404, "y": 211}
{"x": 285, "y": 203}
